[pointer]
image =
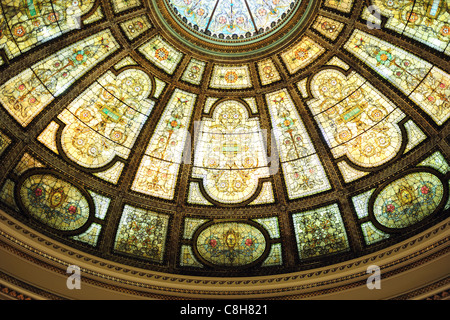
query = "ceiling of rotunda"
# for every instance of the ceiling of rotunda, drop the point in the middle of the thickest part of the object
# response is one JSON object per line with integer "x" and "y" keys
{"x": 227, "y": 137}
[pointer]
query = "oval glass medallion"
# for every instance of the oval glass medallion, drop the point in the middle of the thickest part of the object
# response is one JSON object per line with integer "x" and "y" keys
{"x": 54, "y": 202}
{"x": 408, "y": 200}
{"x": 231, "y": 244}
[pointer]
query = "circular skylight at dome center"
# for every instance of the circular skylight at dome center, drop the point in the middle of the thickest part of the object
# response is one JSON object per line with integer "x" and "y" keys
{"x": 233, "y": 20}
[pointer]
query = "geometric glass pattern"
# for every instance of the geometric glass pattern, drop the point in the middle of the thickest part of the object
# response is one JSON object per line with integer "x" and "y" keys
{"x": 349, "y": 173}
{"x": 190, "y": 225}
{"x": 415, "y": 135}
{"x": 127, "y": 61}
{"x": 48, "y": 136}
{"x": 142, "y": 233}
{"x": 275, "y": 257}
{"x": 90, "y": 236}
{"x": 101, "y": 204}
{"x": 231, "y": 77}
{"x": 320, "y": 232}
{"x": 361, "y": 203}
{"x": 112, "y": 174}
{"x": 96, "y": 16}
{"x": 302, "y": 54}
{"x": 122, "y": 5}
{"x": 371, "y": 234}
{"x": 195, "y": 196}
{"x": 187, "y": 258}
{"x": 27, "y": 162}
{"x": 341, "y": 5}
{"x": 161, "y": 54}
{"x": 436, "y": 161}
{"x": 271, "y": 225}
{"x": 265, "y": 196}
{"x": 7, "y": 195}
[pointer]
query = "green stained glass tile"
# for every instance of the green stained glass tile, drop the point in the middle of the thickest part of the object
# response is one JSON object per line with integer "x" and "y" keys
{"x": 7, "y": 194}
{"x": 187, "y": 258}
{"x": 415, "y": 135}
{"x": 5, "y": 141}
{"x": 90, "y": 236}
{"x": 436, "y": 161}
{"x": 371, "y": 234}
{"x": 275, "y": 257}
{"x": 190, "y": 225}
{"x": 361, "y": 203}
{"x": 320, "y": 232}
{"x": 123, "y": 5}
{"x": 96, "y": 16}
{"x": 271, "y": 225}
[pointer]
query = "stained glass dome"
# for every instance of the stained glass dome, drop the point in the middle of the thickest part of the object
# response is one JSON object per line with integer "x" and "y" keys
{"x": 233, "y": 20}
{"x": 222, "y": 139}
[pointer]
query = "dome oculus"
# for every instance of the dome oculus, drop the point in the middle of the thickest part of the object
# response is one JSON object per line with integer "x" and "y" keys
{"x": 232, "y": 20}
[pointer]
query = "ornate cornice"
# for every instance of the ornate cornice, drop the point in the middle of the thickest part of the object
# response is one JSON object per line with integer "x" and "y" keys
{"x": 39, "y": 250}
{"x": 232, "y": 50}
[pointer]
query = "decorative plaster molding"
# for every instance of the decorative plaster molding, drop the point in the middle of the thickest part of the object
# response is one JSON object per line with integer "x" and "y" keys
{"x": 56, "y": 257}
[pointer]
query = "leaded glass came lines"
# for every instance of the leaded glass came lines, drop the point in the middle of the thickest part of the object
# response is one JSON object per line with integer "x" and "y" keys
{"x": 28, "y": 93}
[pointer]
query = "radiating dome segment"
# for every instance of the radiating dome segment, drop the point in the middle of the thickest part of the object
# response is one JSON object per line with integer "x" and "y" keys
{"x": 230, "y": 155}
